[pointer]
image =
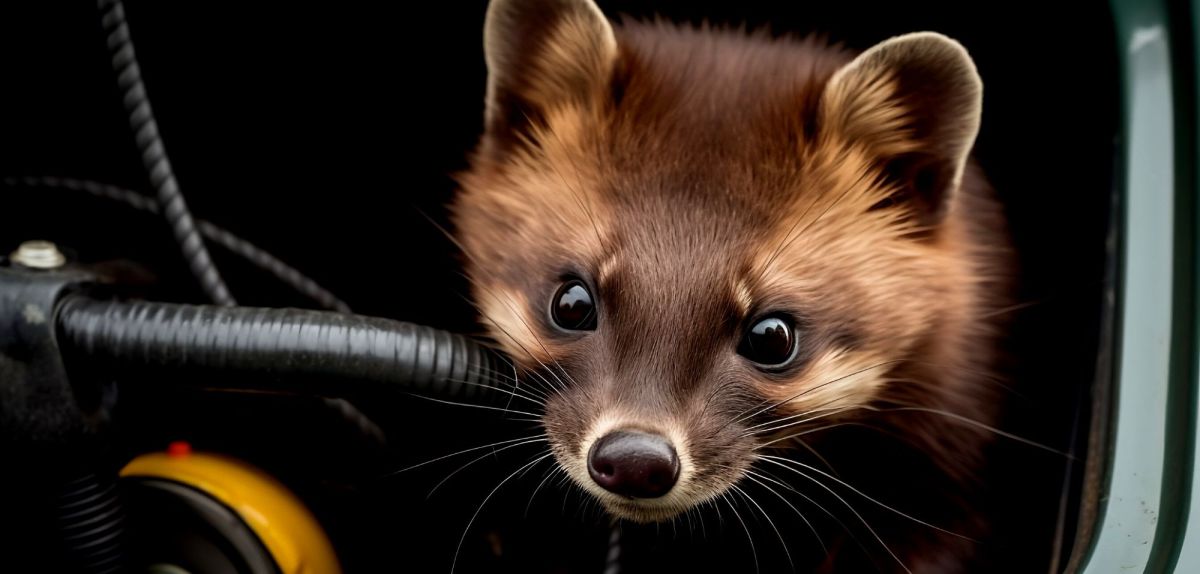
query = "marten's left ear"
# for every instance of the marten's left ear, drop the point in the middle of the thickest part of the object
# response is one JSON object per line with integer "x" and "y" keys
{"x": 542, "y": 54}
{"x": 914, "y": 102}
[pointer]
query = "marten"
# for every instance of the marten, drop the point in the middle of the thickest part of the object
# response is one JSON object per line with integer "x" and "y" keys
{"x": 727, "y": 259}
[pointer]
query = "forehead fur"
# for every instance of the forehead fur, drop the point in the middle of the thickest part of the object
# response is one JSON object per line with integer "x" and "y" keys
{"x": 693, "y": 116}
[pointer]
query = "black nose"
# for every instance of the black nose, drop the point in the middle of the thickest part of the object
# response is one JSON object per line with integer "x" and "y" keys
{"x": 634, "y": 464}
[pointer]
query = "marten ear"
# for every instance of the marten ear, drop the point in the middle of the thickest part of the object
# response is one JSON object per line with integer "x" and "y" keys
{"x": 542, "y": 54}
{"x": 914, "y": 102}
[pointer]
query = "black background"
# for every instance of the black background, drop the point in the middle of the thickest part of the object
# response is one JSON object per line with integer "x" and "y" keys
{"x": 323, "y": 133}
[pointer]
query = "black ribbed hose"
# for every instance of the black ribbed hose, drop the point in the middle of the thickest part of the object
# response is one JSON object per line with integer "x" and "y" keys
{"x": 154, "y": 154}
{"x": 91, "y": 522}
{"x": 288, "y": 350}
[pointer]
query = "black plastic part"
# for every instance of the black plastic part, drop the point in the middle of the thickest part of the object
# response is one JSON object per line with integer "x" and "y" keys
{"x": 177, "y": 525}
{"x": 60, "y": 489}
{"x": 61, "y": 352}
{"x": 283, "y": 350}
{"x": 38, "y": 409}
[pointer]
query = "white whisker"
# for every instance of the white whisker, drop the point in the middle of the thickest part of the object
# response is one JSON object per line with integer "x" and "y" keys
{"x": 848, "y": 506}
{"x": 464, "y": 451}
{"x": 458, "y": 548}
{"x": 864, "y": 495}
{"x": 477, "y": 459}
{"x": 749, "y": 537}
{"x": 782, "y": 543}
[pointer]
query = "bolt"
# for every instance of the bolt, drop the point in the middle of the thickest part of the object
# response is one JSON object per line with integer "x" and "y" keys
{"x": 38, "y": 255}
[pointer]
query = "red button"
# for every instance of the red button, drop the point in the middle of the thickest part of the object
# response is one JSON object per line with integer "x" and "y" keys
{"x": 179, "y": 449}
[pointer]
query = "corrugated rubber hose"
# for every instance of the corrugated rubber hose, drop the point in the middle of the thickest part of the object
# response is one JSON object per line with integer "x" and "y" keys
{"x": 287, "y": 350}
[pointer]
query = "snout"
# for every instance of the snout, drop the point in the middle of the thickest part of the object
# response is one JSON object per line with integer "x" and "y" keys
{"x": 634, "y": 464}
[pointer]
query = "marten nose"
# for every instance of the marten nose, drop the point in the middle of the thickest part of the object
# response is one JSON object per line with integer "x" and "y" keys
{"x": 634, "y": 464}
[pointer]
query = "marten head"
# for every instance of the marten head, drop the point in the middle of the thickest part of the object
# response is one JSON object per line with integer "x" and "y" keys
{"x": 697, "y": 242}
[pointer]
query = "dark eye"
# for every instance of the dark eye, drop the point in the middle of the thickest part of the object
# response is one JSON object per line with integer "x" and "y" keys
{"x": 573, "y": 308}
{"x": 769, "y": 342}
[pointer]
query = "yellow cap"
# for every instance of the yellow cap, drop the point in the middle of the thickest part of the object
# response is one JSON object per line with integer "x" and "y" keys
{"x": 286, "y": 527}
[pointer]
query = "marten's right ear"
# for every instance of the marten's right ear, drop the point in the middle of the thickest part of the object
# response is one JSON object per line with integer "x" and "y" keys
{"x": 915, "y": 100}
{"x": 542, "y": 54}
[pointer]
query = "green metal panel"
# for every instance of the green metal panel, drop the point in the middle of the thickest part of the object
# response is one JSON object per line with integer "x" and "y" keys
{"x": 1150, "y": 472}
{"x": 1186, "y": 360}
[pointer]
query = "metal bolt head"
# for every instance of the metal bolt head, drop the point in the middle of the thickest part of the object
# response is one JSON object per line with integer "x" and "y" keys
{"x": 38, "y": 255}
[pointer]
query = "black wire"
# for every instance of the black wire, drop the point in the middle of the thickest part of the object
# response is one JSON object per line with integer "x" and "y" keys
{"x": 253, "y": 254}
{"x": 154, "y": 155}
{"x": 612, "y": 562}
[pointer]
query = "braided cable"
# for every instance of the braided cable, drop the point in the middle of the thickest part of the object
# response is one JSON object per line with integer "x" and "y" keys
{"x": 253, "y": 254}
{"x": 154, "y": 154}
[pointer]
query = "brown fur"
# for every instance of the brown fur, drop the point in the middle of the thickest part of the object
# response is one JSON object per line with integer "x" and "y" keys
{"x": 698, "y": 178}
